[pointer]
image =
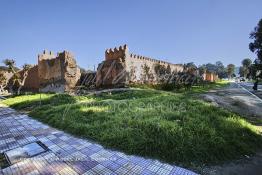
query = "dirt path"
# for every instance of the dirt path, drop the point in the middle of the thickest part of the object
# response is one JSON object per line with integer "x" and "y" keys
{"x": 237, "y": 99}
{"x": 247, "y": 166}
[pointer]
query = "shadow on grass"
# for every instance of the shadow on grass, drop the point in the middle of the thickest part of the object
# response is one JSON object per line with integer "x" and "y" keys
{"x": 193, "y": 133}
{"x": 29, "y": 102}
{"x": 131, "y": 94}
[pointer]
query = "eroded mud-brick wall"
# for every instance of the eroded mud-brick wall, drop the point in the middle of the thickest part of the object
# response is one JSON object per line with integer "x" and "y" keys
{"x": 121, "y": 68}
{"x": 209, "y": 76}
{"x": 58, "y": 73}
{"x": 31, "y": 81}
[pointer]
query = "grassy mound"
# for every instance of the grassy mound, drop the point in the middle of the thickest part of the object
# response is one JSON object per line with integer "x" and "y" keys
{"x": 173, "y": 127}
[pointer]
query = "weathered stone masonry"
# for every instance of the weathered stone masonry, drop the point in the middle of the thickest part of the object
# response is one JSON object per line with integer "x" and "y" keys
{"x": 32, "y": 81}
{"x": 60, "y": 73}
{"x": 209, "y": 76}
{"x": 57, "y": 73}
{"x": 121, "y": 68}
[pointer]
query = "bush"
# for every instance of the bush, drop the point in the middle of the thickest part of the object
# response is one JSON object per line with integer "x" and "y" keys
{"x": 174, "y": 81}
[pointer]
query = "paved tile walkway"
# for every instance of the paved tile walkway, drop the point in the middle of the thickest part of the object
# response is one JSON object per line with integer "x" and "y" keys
{"x": 67, "y": 154}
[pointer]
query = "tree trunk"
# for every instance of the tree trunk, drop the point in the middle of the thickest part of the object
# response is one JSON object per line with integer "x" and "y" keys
{"x": 1, "y": 90}
{"x": 19, "y": 90}
{"x": 21, "y": 84}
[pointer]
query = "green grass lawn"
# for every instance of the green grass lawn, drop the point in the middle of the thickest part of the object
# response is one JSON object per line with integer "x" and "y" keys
{"x": 172, "y": 127}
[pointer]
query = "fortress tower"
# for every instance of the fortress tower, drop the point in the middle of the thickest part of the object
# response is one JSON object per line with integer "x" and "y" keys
{"x": 57, "y": 73}
{"x": 121, "y": 68}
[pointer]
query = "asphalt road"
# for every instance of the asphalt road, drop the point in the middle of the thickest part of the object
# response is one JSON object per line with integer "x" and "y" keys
{"x": 249, "y": 86}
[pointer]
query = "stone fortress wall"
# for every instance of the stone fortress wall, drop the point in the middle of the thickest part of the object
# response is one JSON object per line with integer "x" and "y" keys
{"x": 57, "y": 73}
{"x": 136, "y": 62}
{"x": 209, "y": 76}
{"x": 53, "y": 73}
{"x": 60, "y": 73}
{"x": 121, "y": 67}
{"x": 32, "y": 80}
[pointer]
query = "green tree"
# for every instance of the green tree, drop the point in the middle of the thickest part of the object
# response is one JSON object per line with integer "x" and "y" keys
{"x": 241, "y": 71}
{"x": 256, "y": 70}
{"x": 220, "y": 69}
{"x": 190, "y": 67}
{"x": 202, "y": 69}
{"x": 217, "y": 68}
{"x": 18, "y": 76}
{"x": 211, "y": 67}
{"x": 230, "y": 70}
{"x": 256, "y": 45}
{"x": 10, "y": 63}
{"x": 246, "y": 62}
{"x": 160, "y": 70}
{"x": 147, "y": 76}
{"x": 246, "y": 65}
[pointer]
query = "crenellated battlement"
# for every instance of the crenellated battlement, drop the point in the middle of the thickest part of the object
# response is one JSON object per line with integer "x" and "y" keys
{"x": 57, "y": 72}
{"x": 135, "y": 56}
{"x": 119, "y": 61}
{"x": 46, "y": 55}
{"x": 65, "y": 54}
{"x": 116, "y": 53}
{"x": 123, "y": 52}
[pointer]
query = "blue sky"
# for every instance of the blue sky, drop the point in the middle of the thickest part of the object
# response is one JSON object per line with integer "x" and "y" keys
{"x": 177, "y": 31}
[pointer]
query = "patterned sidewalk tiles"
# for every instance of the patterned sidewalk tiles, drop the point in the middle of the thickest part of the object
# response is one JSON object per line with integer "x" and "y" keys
{"x": 67, "y": 154}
